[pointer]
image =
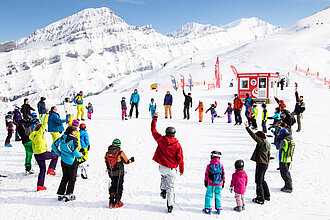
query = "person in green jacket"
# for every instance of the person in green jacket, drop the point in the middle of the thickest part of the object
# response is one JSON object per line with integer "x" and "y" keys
{"x": 41, "y": 153}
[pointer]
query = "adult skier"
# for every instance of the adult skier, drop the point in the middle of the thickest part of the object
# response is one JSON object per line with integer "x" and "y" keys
{"x": 298, "y": 109}
{"x": 79, "y": 101}
{"x": 134, "y": 102}
{"x": 238, "y": 105}
{"x": 26, "y": 108}
{"x": 41, "y": 107}
{"x": 248, "y": 108}
{"x": 169, "y": 156}
{"x": 17, "y": 117}
{"x": 168, "y": 100}
{"x": 187, "y": 104}
{"x": 55, "y": 124}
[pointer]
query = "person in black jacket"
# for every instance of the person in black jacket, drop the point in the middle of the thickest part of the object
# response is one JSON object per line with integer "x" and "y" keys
{"x": 26, "y": 108}
{"x": 187, "y": 104}
{"x": 42, "y": 106}
{"x": 298, "y": 109}
{"x": 24, "y": 130}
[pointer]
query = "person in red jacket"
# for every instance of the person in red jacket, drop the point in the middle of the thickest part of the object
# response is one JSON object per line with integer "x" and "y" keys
{"x": 169, "y": 155}
{"x": 238, "y": 105}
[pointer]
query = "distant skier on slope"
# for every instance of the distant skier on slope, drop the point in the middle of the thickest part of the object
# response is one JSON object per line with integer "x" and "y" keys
{"x": 298, "y": 109}
{"x": 26, "y": 108}
{"x": 134, "y": 102}
{"x": 169, "y": 156}
{"x": 187, "y": 105}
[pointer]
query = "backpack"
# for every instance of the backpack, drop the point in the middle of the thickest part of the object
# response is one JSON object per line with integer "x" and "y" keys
{"x": 291, "y": 147}
{"x": 111, "y": 160}
{"x": 216, "y": 173}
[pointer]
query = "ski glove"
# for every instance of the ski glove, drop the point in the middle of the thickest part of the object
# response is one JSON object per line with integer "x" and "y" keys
{"x": 205, "y": 183}
{"x": 223, "y": 184}
{"x": 132, "y": 159}
{"x": 231, "y": 189}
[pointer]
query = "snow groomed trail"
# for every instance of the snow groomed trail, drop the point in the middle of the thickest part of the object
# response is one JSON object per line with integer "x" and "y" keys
{"x": 309, "y": 200}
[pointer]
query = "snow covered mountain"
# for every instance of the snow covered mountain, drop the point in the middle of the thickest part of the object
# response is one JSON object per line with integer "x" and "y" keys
{"x": 93, "y": 48}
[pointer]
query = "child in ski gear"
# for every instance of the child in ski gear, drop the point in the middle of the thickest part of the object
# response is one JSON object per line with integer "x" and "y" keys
{"x": 26, "y": 108}
{"x": 229, "y": 112}
{"x": 79, "y": 101}
{"x": 152, "y": 107}
{"x": 254, "y": 116}
{"x": 213, "y": 112}
{"x": 238, "y": 184}
{"x": 187, "y": 104}
{"x": 84, "y": 142}
{"x": 34, "y": 117}
{"x": 68, "y": 111}
{"x": 200, "y": 108}
{"x": 264, "y": 117}
{"x": 89, "y": 110}
{"x": 298, "y": 109}
{"x": 238, "y": 105}
{"x": 214, "y": 181}
{"x": 115, "y": 159}
{"x": 261, "y": 156}
{"x": 286, "y": 149}
{"x": 17, "y": 117}
{"x": 123, "y": 109}
{"x": 9, "y": 127}
{"x": 55, "y": 124}
{"x": 168, "y": 100}
{"x": 169, "y": 156}
{"x": 67, "y": 147}
{"x": 24, "y": 130}
{"x": 41, "y": 153}
{"x": 134, "y": 101}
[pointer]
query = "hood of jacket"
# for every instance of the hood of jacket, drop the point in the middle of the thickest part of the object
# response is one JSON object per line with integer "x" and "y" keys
{"x": 170, "y": 140}
{"x": 215, "y": 161}
{"x": 241, "y": 173}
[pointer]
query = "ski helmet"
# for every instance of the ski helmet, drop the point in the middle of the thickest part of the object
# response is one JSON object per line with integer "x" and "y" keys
{"x": 263, "y": 105}
{"x": 10, "y": 113}
{"x": 123, "y": 98}
{"x": 34, "y": 114}
{"x": 239, "y": 165}
{"x": 66, "y": 99}
{"x": 16, "y": 107}
{"x": 170, "y": 131}
{"x": 82, "y": 126}
{"x": 215, "y": 154}
{"x": 75, "y": 122}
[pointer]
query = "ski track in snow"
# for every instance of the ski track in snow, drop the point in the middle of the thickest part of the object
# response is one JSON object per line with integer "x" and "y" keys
{"x": 309, "y": 200}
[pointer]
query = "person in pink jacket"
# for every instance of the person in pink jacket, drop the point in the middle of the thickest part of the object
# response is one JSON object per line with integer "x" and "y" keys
{"x": 238, "y": 184}
{"x": 214, "y": 182}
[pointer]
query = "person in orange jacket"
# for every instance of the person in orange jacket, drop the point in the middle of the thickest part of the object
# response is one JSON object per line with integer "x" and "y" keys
{"x": 201, "y": 110}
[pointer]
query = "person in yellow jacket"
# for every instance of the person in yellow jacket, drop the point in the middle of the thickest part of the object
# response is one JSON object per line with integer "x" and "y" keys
{"x": 79, "y": 101}
{"x": 254, "y": 117}
{"x": 200, "y": 107}
{"x": 264, "y": 117}
{"x": 41, "y": 153}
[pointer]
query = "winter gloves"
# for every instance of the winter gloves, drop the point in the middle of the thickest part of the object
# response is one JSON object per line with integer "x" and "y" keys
{"x": 205, "y": 184}
{"x": 132, "y": 159}
{"x": 223, "y": 184}
{"x": 231, "y": 189}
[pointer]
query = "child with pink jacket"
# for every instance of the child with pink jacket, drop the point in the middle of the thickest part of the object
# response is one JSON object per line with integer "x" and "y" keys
{"x": 238, "y": 184}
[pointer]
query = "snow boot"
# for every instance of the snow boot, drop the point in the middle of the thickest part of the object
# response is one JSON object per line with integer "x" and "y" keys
{"x": 40, "y": 188}
{"x": 243, "y": 207}
{"x": 112, "y": 200}
{"x": 169, "y": 209}
{"x": 238, "y": 209}
{"x": 51, "y": 172}
{"x": 163, "y": 193}
{"x": 267, "y": 198}
{"x": 286, "y": 190}
{"x": 70, "y": 197}
{"x": 218, "y": 212}
{"x": 60, "y": 197}
{"x": 119, "y": 204}
{"x": 207, "y": 211}
{"x": 8, "y": 145}
{"x": 258, "y": 201}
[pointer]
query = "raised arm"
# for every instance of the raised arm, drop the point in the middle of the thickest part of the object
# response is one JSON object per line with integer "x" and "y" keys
{"x": 254, "y": 136}
{"x": 154, "y": 131}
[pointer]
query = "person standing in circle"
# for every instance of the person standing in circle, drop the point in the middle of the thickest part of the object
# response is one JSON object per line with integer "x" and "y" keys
{"x": 79, "y": 101}
{"x": 187, "y": 104}
{"x": 168, "y": 100}
{"x": 134, "y": 102}
{"x": 238, "y": 105}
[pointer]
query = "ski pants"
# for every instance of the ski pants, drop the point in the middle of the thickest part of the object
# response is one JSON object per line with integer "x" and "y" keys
{"x": 238, "y": 117}
{"x": 55, "y": 135}
{"x": 9, "y": 135}
{"x": 186, "y": 114}
{"x": 264, "y": 127}
{"x": 298, "y": 119}
{"x": 240, "y": 199}
{"x": 28, "y": 155}
{"x": 136, "y": 110}
{"x": 167, "y": 183}
{"x": 210, "y": 191}
{"x": 69, "y": 118}
{"x": 168, "y": 109}
{"x": 152, "y": 113}
{"x": 41, "y": 160}
{"x": 200, "y": 116}
{"x": 262, "y": 187}
{"x": 80, "y": 111}
{"x": 89, "y": 115}
{"x": 116, "y": 188}
{"x": 123, "y": 113}
{"x": 213, "y": 115}
{"x": 68, "y": 179}
{"x": 229, "y": 118}
{"x": 254, "y": 122}
{"x": 285, "y": 174}
{"x": 17, "y": 137}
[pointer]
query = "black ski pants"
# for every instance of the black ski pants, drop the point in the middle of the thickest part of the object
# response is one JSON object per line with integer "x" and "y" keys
{"x": 254, "y": 122}
{"x": 238, "y": 117}
{"x": 136, "y": 110}
{"x": 9, "y": 135}
{"x": 264, "y": 127}
{"x": 285, "y": 174}
{"x": 116, "y": 188}
{"x": 262, "y": 187}
{"x": 69, "y": 178}
{"x": 186, "y": 114}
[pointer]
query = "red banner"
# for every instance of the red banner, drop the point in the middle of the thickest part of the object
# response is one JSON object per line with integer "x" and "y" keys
{"x": 234, "y": 70}
{"x": 217, "y": 74}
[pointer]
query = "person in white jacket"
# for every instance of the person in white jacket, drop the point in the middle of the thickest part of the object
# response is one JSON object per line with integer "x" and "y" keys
{"x": 68, "y": 108}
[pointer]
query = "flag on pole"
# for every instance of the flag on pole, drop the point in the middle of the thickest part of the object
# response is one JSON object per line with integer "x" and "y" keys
{"x": 190, "y": 82}
{"x": 217, "y": 74}
{"x": 182, "y": 81}
{"x": 174, "y": 83}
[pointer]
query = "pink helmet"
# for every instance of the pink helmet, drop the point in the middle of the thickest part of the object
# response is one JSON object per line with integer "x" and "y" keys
{"x": 75, "y": 122}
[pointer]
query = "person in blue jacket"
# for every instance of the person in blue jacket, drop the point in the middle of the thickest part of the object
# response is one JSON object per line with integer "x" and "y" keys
{"x": 134, "y": 101}
{"x": 152, "y": 107}
{"x": 168, "y": 100}
{"x": 84, "y": 143}
{"x": 55, "y": 124}
{"x": 42, "y": 107}
{"x": 67, "y": 147}
{"x": 248, "y": 108}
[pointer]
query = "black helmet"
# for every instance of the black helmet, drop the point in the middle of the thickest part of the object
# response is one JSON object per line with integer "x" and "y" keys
{"x": 239, "y": 164}
{"x": 170, "y": 131}
{"x": 10, "y": 113}
{"x": 263, "y": 105}
{"x": 215, "y": 154}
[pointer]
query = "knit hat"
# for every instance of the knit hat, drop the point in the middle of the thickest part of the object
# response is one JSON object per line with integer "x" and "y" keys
{"x": 116, "y": 142}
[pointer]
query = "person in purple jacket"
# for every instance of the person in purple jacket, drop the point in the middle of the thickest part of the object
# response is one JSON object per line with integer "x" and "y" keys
{"x": 238, "y": 184}
{"x": 214, "y": 182}
{"x": 17, "y": 117}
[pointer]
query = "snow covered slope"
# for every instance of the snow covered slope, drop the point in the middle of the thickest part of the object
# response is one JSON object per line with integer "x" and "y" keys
{"x": 94, "y": 48}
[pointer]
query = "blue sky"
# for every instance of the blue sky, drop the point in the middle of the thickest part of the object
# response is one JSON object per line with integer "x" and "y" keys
{"x": 19, "y": 18}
